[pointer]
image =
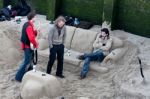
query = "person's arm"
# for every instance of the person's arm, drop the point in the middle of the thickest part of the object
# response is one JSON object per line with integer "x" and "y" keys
{"x": 107, "y": 46}
{"x": 35, "y": 32}
{"x": 50, "y": 37}
{"x": 64, "y": 36}
{"x": 31, "y": 36}
{"x": 96, "y": 43}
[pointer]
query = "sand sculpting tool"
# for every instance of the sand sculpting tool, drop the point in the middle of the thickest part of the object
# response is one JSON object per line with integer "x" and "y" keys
{"x": 35, "y": 59}
{"x": 141, "y": 68}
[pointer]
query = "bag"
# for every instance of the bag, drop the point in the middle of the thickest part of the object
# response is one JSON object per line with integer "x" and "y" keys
{"x": 5, "y": 12}
{"x": 85, "y": 25}
{"x": 69, "y": 21}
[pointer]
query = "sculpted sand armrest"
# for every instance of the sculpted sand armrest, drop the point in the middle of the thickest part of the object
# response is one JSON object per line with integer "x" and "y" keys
{"x": 118, "y": 50}
{"x": 116, "y": 54}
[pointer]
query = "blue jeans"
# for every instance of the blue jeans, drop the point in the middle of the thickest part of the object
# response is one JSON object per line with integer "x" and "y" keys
{"x": 24, "y": 67}
{"x": 95, "y": 56}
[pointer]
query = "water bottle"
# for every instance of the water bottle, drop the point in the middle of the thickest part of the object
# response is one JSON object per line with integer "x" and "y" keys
{"x": 69, "y": 53}
{"x": 76, "y": 21}
{"x": 18, "y": 21}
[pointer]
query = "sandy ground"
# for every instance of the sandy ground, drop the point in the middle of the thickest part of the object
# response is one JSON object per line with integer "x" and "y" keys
{"x": 123, "y": 81}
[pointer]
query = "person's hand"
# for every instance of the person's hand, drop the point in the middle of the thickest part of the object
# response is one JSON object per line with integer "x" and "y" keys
{"x": 34, "y": 29}
{"x": 33, "y": 47}
{"x": 51, "y": 46}
{"x": 37, "y": 45}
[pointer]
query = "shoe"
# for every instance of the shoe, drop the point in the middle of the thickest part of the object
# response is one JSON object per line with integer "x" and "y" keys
{"x": 82, "y": 76}
{"x": 60, "y": 76}
{"x": 81, "y": 57}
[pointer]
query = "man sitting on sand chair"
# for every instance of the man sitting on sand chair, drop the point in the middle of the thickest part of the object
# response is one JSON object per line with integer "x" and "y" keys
{"x": 102, "y": 46}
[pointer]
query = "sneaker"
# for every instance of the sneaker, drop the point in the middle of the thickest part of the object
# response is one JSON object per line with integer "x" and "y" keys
{"x": 82, "y": 76}
{"x": 60, "y": 76}
{"x": 81, "y": 57}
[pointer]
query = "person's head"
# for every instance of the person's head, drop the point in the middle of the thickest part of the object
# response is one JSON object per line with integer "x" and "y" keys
{"x": 104, "y": 33}
{"x": 60, "y": 21}
{"x": 31, "y": 16}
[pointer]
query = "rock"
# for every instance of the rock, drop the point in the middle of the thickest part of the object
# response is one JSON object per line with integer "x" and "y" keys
{"x": 36, "y": 85}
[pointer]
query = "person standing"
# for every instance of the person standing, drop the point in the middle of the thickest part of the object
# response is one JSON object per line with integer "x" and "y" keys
{"x": 56, "y": 38}
{"x": 27, "y": 39}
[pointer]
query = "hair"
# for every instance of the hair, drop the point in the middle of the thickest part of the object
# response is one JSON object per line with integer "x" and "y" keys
{"x": 106, "y": 31}
{"x": 31, "y": 15}
{"x": 60, "y": 18}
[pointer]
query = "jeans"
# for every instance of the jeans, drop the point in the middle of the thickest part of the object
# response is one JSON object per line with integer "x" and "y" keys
{"x": 26, "y": 64}
{"x": 59, "y": 50}
{"x": 95, "y": 56}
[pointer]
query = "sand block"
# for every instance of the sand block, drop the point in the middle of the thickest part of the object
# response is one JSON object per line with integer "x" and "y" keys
{"x": 70, "y": 30}
{"x": 100, "y": 69}
{"x": 36, "y": 85}
{"x": 43, "y": 44}
{"x": 116, "y": 54}
{"x": 96, "y": 66}
{"x": 117, "y": 42}
{"x": 83, "y": 40}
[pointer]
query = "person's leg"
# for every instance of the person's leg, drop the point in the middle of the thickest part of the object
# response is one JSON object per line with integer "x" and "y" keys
{"x": 52, "y": 58}
{"x": 90, "y": 57}
{"x": 93, "y": 54}
{"x": 23, "y": 66}
{"x": 85, "y": 67}
{"x": 30, "y": 67}
{"x": 60, "y": 59}
{"x": 99, "y": 56}
{"x": 85, "y": 55}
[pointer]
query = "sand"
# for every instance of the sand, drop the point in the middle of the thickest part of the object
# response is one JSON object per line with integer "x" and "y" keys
{"x": 123, "y": 81}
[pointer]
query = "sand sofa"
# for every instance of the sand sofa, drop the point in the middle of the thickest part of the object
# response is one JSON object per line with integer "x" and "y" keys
{"x": 80, "y": 41}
